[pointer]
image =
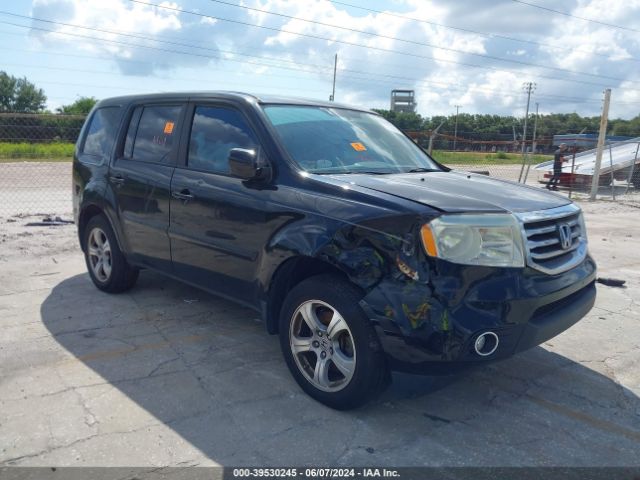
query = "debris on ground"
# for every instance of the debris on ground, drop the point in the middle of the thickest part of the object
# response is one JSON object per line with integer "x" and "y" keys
{"x": 611, "y": 282}
{"x": 49, "y": 222}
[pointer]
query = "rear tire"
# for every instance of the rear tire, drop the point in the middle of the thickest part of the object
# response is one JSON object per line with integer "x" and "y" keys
{"x": 106, "y": 264}
{"x": 329, "y": 344}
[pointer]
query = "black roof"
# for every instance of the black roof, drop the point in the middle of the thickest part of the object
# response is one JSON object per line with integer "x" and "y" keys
{"x": 230, "y": 95}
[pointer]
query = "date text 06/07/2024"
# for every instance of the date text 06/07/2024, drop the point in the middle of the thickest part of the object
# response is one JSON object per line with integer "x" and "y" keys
{"x": 240, "y": 473}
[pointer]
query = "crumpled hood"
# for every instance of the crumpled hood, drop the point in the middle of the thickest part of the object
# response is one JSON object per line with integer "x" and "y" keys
{"x": 456, "y": 191}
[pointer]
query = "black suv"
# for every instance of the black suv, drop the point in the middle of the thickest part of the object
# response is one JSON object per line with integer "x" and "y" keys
{"x": 362, "y": 252}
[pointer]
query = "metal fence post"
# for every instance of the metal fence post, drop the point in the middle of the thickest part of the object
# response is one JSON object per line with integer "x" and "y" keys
{"x": 613, "y": 187}
{"x": 432, "y": 136}
{"x": 633, "y": 166}
{"x": 595, "y": 181}
{"x": 573, "y": 166}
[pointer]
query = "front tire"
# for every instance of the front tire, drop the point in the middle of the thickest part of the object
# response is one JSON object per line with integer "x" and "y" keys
{"x": 329, "y": 344}
{"x": 106, "y": 264}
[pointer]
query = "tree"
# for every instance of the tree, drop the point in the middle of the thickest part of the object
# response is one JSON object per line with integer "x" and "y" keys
{"x": 629, "y": 128}
{"x": 82, "y": 106}
{"x": 20, "y": 95}
{"x": 7, "y": 91}
{"x": 403, "y": 120}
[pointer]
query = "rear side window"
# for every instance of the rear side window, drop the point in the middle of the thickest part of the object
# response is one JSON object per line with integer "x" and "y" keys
{"x": 153, "y": 137}
{"x": 101, "y": 132}
{"x": 215, "y": 131}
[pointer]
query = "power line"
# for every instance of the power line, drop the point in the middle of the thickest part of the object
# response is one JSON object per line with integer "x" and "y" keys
{"x": 576, "y": 16}
{"x": 448, "y": 86}
{"x": 153, "y": 39}
{"x": 413, "y": 80}
{"x": 413, "y": 42}
{"x": 475, "y": 32}
{"x": 380, "y": 49}
{"x": 535, "y": 76}
{"x": 475, "y": 90}
{"x": 111, "y": 73}
{"x": 116, "y": 42}
{"x": 103, "y": 72}
{"x": 129, "y": 60}
{"x": 377, "y": 80}
{"x": 297, "y": 63}
{"x": 129, "y": 89}
{"x": 349, "y": 76}
{"x": 253, "y": 84}
{"x": 465, "y": 88}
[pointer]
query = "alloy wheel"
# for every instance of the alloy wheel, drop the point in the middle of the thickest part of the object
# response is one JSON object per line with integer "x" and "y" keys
{"x": 99, "y": 252}
{"x": 322, "y": 345}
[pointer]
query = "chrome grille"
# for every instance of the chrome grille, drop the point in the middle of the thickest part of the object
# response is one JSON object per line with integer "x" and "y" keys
{"x": 555, "y": 240}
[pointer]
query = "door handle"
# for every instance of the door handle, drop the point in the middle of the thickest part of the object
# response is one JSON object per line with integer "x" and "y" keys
{"x": 184, "y": 195}
{"x": 117, "y": 180}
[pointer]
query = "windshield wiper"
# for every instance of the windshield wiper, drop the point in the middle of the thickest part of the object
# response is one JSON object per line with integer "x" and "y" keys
{"x": 355, "y": 172}
{"x": 422, "y": 169}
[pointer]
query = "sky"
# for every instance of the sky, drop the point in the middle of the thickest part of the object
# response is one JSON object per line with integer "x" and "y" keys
{"x": 476, "y": 54}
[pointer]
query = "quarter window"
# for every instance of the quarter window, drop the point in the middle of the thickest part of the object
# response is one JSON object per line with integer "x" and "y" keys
{"x": 101, "y": 133}
{"x": 156, "y": 133}
{"x": 214, "y": 133}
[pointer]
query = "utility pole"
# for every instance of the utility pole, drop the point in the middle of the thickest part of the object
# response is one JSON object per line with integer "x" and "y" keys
{"x": 335, "y": 69}
{"x": 455, "y": 133}
{"x": 601, "y": 138}
{"x": 529, "y": 87}
{"x": 533, "y": 144}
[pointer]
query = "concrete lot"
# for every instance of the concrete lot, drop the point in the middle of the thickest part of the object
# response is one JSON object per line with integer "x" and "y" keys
{"x": 167, "y": 375}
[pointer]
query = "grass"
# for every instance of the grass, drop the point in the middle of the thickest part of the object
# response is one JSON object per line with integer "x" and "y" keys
{"x": 483, "y": 158}
{"x": 36, "y": 152}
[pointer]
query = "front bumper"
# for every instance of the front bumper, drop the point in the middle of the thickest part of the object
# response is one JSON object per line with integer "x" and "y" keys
{"x": 432, "y": 327}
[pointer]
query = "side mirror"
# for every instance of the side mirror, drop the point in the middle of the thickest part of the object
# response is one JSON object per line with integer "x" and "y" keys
{"x": 248, "y": 164}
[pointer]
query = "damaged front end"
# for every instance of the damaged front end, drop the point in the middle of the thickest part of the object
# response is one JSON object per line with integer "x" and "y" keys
{"x": 434, "y": 315}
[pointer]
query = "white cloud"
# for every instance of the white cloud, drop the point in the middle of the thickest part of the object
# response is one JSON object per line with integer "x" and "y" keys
{"x": 134, "y": 20}
{"x": 366, "y": 76}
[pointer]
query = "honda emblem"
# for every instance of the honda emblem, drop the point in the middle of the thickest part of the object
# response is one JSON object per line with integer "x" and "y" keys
{"x": 564, "y": 231}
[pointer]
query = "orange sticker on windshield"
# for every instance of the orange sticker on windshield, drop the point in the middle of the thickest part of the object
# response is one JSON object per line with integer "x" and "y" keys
{"x": 358, "y": 147}
{"x": 168, "y": 128}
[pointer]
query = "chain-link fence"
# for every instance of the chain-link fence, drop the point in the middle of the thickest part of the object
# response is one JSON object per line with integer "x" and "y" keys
{"x": 496, "y": 155}
{"x": 503, "y": 156}
{"x": 36, "y": 153}
{"x": 35, "y": 163}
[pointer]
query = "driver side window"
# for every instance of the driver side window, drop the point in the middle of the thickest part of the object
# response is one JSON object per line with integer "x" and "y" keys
{"x": 215, "y": 131}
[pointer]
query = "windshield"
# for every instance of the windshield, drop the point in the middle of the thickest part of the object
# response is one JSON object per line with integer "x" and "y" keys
{"x": 336, "y": 140}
